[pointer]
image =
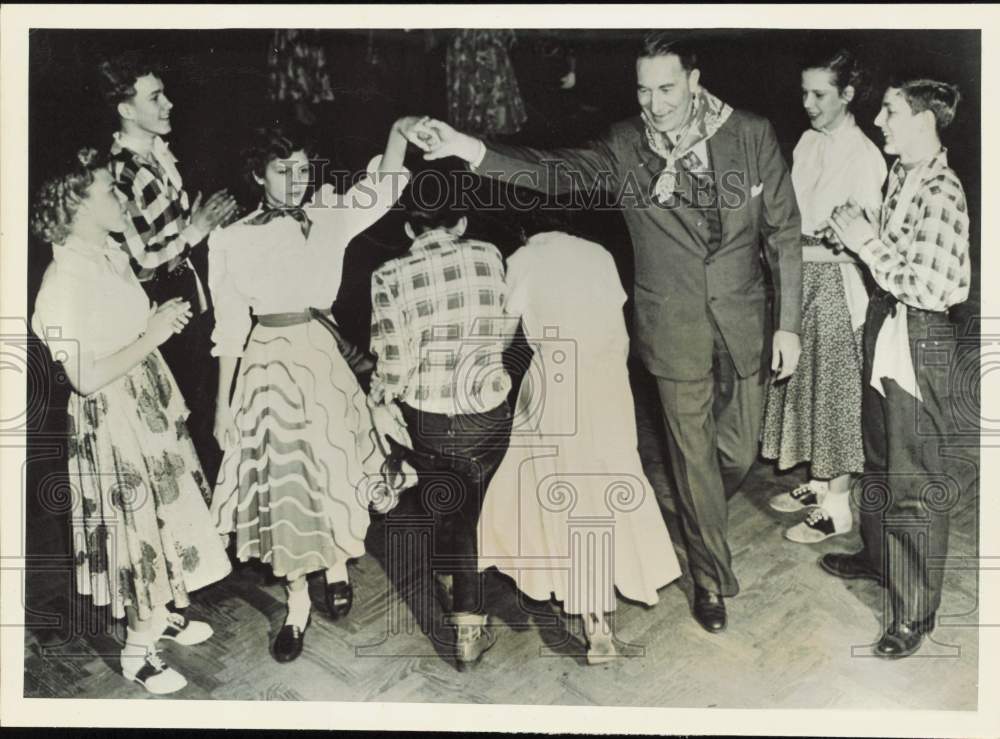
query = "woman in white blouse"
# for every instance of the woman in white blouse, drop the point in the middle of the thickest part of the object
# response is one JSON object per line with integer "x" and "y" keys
{"x": 815, "y": 417}
{"x": 142, "y": 534}
{"x": 301, "y": 460}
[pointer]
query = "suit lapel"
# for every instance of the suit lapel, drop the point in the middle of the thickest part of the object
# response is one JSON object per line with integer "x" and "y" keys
{"x": 650, "y": 163}
{"x": 727, "y": 156}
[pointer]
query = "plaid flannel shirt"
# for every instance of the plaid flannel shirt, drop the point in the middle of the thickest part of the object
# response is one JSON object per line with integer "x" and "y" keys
{"x": 158, "y": 230}
{"x": 439, "y": 327}
{"x": 923, "y": 258}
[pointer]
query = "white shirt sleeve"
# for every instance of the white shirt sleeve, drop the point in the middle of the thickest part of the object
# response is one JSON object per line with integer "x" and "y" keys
{"x": 480, "y": 155}
{"x": 356, "y": 210}
{"x": 55, "y": 322}
{"x": 232, "y": 308}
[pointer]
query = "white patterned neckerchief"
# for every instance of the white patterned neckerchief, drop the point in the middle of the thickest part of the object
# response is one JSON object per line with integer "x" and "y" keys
{"x": 707, "y": 115}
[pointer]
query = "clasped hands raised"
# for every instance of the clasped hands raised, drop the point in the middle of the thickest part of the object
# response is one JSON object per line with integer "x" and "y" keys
{"x": 848, "y": 227}
{"x": 438, "y": 140}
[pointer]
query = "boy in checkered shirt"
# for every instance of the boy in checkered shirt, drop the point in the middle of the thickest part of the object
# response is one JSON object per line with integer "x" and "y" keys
{"x": 439, "y": 330}
{"x": 918, "y": 255}
{"x": 162, "y": 229}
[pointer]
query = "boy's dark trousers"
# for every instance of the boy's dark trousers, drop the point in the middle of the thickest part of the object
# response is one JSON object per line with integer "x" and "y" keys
{"x": 456, "y": 457}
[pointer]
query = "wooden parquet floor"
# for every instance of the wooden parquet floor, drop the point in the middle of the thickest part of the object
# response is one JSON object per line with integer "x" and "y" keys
{"x": 797, "y": 638}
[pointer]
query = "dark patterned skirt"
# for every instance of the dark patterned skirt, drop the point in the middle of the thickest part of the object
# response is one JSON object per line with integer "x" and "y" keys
{"x": 142, "y": 533}
{"x": 815, "y": 416}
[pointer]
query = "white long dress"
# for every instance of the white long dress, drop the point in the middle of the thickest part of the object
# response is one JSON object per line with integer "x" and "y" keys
{"x": 570, "y": 513}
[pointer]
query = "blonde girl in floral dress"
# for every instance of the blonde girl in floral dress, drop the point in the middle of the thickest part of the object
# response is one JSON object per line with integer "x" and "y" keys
{"x": 142, "y": 534}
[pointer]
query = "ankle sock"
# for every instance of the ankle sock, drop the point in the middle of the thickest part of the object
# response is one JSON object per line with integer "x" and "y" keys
{"x": 299, "y": 606}
{"x": 337, "y": 573}
{"x": 133, "y": 655}
{"x": 838, "y": 505}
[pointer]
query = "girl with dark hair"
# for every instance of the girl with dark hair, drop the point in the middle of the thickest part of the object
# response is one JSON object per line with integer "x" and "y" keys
{"x": 142, "y": 534}
{"x": 301, "y": 460}
{"x": 815, "y": 417}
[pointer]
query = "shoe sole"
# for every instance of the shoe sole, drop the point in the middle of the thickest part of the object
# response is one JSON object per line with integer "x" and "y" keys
{"x": 712, "y": 631}
{"x": 153, "y": 692}
{"x": 796, "y": 509}
{"x": 186, "y": 644}
{"x": 815, "y": 541}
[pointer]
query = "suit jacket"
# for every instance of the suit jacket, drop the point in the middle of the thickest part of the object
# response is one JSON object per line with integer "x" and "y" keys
{"x": 681, "y": 284}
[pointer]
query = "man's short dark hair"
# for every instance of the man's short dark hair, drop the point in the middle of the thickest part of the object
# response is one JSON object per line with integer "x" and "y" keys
{"x": 662, "y": 43}
{"x": 941, "y": 98}
{"x": 118, "y": 76}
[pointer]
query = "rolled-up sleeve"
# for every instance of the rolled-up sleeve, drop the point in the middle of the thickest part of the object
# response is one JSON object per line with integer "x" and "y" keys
{"x": 232, "y": 308}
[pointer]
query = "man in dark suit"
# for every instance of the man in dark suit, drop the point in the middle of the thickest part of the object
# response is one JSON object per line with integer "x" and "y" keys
{"x": 701, "y": 186}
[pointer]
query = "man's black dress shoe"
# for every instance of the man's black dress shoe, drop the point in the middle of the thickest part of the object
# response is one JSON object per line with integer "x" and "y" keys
{"x": 288, "y": 644}
{"x": 339, "y": 597}
{"x": 709, "y": 610}
{"x": 903, "y": 638}
{"x": 850, "y": 567}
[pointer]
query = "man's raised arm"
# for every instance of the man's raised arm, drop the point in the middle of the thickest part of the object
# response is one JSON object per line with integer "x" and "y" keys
{"x": 550, "y": 171}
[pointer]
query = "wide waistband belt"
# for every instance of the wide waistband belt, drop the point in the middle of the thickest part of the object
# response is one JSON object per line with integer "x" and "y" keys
{"x": 280, "y": 320}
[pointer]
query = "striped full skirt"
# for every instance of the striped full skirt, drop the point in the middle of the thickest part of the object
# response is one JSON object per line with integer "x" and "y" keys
{"x": 296, "y": 486}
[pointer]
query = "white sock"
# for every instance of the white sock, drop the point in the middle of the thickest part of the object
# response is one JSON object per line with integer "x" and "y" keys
{"x": 158, "y": 621}
{"x": 838, "y": 505}
{"x": 820, "y": 487}
{"x": 337, "y": 573}
{"x": 134, "y": 652}
{"x": 299, "y": 606}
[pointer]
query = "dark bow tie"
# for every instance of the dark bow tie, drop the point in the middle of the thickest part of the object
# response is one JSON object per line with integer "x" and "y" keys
{"x": 269, "y": 214}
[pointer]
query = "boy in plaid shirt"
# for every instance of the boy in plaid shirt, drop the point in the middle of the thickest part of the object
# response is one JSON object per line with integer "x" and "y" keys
{"x": 439, "y": 331}
{"x": 163, "y": 228}
{"x": 919, "y": 259}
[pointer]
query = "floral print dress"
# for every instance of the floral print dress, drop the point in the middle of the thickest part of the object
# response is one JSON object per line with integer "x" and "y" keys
{"x": 141, "y": 530}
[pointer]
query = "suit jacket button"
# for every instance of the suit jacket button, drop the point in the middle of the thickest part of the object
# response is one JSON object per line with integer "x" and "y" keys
{"x": 708, "y": 260}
